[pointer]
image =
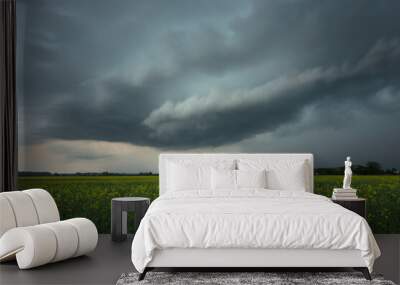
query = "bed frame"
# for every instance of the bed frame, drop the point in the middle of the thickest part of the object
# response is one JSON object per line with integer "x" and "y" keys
{"x": 242, "y": 259}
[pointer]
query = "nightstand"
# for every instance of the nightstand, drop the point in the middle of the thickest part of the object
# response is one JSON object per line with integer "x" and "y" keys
{"x": 119, "y": 208}
{"x": 358, "y": 205}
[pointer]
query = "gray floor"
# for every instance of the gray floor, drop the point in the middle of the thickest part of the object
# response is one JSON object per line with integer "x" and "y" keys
{"x": 103, "y": 266}
{"x": 110, "y": 260}
{"x": 389, "y": 262}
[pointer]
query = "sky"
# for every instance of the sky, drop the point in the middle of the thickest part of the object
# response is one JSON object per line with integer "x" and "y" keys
{"x": 108, "y": 85}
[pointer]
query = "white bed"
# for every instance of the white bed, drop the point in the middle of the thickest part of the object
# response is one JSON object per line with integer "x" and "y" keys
{"x": 250, "y": 227}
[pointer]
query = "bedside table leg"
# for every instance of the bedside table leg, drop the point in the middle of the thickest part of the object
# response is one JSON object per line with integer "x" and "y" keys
{"x": 116, "y": 222}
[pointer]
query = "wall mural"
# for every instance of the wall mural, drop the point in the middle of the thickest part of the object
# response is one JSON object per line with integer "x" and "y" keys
{"x": 105, "y": 86}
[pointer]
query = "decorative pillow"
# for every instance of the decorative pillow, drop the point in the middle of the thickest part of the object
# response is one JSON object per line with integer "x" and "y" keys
{"x": 251, "y": 178}
{"x": 223, "y": 179}
{"x": 281, "y": 174}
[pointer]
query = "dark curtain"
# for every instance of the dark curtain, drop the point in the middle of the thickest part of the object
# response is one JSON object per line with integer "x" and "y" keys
{"x": 8, "y": 119}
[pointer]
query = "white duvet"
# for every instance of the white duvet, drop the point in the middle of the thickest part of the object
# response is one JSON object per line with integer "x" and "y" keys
{"x": 250, "y": 219}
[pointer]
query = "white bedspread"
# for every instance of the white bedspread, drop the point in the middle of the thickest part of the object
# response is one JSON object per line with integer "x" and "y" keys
{"x": 250, "y": 219}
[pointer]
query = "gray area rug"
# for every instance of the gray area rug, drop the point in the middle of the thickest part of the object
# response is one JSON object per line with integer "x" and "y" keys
{"x": 227, "y": 278}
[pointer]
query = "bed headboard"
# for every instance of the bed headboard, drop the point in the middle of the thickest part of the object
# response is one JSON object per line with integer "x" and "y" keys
{"x": 307, "y": 157}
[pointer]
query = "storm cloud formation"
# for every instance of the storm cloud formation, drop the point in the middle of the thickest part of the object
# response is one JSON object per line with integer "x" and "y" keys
{"x": 242, "y": 75}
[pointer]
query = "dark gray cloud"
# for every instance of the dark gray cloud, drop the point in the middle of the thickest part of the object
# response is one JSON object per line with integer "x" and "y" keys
{"x": 266, "y": 107}
{"x": 195, "y": 74}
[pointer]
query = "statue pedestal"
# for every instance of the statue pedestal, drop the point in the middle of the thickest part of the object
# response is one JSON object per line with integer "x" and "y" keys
{"x": 344, "y": 190}
{"x": 341, "y": 193}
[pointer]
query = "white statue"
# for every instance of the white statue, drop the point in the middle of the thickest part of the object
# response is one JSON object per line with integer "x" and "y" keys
{"x": 347, "y": 174}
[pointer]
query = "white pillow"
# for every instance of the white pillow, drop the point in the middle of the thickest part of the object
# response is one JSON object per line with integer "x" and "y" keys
{"x": 251, "y": 178}
{"x": 188, "y": 177}
{"x": 188, "y": 174}
{"x": 223, "y": 179}
{"x": 227, "y": 179}
{"x": 281, "y": 174}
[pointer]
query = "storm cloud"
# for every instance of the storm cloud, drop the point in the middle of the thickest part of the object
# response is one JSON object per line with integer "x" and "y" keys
{"x": 184, "y": 75}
